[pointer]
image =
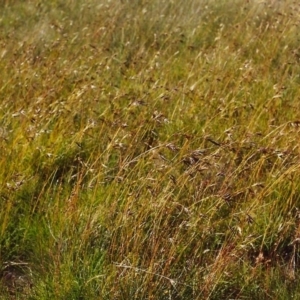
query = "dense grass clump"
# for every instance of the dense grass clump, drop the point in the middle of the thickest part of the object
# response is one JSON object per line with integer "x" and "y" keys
{"x": 149, "y": 149}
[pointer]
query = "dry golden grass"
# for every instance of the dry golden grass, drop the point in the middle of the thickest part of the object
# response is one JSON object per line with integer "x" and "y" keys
{"x": 149, "y": 149}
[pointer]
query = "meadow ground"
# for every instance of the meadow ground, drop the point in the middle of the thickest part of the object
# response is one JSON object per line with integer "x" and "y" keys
{"x": 149, "y": 149}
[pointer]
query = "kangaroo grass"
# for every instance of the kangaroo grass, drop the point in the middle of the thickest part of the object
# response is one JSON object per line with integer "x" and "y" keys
{"x": 149, "y": 149}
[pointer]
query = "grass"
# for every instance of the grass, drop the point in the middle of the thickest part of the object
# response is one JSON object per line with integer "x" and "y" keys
{"x": 149, "y": 149}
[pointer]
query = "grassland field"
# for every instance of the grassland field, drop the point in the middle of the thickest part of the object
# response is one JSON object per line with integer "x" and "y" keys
{"x": 149, "y": 149}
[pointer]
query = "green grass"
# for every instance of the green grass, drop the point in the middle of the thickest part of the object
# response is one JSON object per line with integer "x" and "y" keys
{"x": 149, "y": 149}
